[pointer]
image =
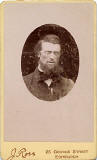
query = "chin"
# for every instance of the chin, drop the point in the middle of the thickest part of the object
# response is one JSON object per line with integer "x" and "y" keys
{"x": 50, "y": 67}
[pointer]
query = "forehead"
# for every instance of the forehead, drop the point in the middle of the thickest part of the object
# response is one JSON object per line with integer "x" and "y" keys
{"x": 48, "y": 46}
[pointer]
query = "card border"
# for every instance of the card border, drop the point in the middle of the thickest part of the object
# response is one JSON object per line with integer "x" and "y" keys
{"x": 7, "y": 146}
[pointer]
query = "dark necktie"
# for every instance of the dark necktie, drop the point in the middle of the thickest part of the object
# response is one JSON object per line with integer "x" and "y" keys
{"x": 44, "y": 76}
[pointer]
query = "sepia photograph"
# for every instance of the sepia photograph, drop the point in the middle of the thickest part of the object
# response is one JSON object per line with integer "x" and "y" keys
{"x": 50, "y": 62}
{"x": 48, "y": 72}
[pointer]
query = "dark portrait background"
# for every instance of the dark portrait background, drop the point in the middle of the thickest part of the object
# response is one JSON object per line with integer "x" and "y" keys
{"x": 69, "y": 59}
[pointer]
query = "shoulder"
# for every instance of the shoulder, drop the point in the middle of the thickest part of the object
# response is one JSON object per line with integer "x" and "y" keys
{"x": 67, "y": 83}
{"x": 28, "y": 79}
{"x": 30, "y": 76}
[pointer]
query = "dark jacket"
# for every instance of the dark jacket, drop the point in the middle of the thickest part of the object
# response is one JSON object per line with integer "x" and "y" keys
{"x": 36, "y": 84}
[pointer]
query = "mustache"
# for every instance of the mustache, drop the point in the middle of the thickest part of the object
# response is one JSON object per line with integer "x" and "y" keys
{"x": 56, "y": 70}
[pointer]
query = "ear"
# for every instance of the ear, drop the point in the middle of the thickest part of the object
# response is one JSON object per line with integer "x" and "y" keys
{"x": 39, "y": 54}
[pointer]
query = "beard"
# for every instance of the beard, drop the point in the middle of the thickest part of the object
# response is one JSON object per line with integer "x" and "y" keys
{"x": 56, "y": 69}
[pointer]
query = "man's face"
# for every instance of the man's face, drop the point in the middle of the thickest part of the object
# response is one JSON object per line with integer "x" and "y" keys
{"x": 49, "y": 55}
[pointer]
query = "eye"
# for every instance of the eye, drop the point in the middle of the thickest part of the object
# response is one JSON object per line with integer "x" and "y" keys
{"x": 48, "y": 52}
{"x": 57, "y": 53}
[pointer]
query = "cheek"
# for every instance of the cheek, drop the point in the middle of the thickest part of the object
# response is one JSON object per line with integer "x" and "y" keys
{"x": 57, "y": 59}
{"x": 43, "y": 57}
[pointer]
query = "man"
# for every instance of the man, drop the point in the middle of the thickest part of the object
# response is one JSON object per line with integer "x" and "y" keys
{"x": 47, "y": 82}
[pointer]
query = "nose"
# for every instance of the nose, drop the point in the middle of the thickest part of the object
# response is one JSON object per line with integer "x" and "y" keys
{"x": 52, "y": 55}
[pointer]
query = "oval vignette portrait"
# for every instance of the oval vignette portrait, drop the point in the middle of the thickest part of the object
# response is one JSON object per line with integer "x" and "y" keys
{"x": 50, "y": 62}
